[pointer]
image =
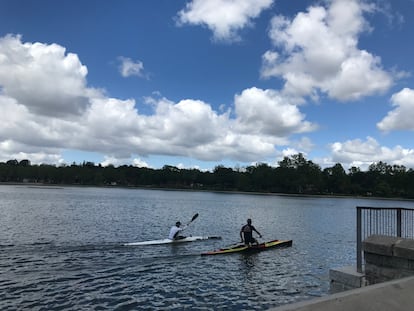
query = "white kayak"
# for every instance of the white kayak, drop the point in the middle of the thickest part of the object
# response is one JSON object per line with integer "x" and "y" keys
{"x": 168, "y": 241}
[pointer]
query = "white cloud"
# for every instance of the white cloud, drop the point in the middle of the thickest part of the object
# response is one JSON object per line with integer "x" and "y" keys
{"x": 129, "y": 68}
{"x": 57, "y": 79}
{"x": 139, "y": 163}
{"x": 361, "y": 154}
{"x": 12, "y": 149}
{"x": 318, "y": 52}
{"x": 288, "y": 152}
{"x": 304, "y": 143}
{"x": 223, "y": 17}
{"x": 267, "y": 112}
{"x": 110, "y": 160}
{"x": 43, "y": 124}
{"x": 401, "y": 118}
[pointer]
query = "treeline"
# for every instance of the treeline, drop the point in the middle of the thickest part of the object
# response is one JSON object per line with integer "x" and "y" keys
{"x": 293, "y": 175}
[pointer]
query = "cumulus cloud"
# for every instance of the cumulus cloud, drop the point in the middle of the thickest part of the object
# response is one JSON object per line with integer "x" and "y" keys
{"x": 45, "y": 114}
{"x": 317, "y": 51}
{"x": 361, "y": 153}
{"x": 304, "y": 143}
{"x": 401, "y": 118}
{"x": 139, "y": 163}
{"x": 223, "y": 17}
{"x": 129, "y": 68}
{"x": 57, "y": 79}
{"x": 269, "y": 113}
{"x": 109, "y": 160}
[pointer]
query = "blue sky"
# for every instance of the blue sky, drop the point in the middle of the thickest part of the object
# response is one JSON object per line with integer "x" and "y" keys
{"x": 203, "y": 83}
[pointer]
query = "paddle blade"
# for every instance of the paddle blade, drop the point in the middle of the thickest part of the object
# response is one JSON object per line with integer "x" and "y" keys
{"x": 194, "y": 217}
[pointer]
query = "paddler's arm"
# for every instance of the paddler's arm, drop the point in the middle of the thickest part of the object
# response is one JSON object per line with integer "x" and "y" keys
{"x": 260, "y": 235}
{"x": 241, "y": 235}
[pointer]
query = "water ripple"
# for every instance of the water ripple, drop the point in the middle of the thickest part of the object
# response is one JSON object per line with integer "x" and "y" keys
{"x": 61, "y": 249}
{"x": 102, "y": 278}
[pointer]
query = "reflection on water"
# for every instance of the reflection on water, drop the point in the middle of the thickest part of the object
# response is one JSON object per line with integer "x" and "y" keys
{"x": 247, "y": 267}
{"x": 249, "y": 261}
{"x": 61, "y": 249}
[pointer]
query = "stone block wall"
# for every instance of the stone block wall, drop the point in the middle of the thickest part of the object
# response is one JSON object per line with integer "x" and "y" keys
{"x": 387, "y": 258}
{"x": 345, "y": 278}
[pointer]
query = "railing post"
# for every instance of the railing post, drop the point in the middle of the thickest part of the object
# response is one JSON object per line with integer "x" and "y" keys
{"x": 359, "y": 240}
{"x": 399, "y": 212}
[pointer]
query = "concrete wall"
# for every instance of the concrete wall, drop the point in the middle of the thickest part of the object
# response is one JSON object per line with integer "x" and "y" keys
{"x": 387, "y": 258}
{"x": 394, "y": 295}
{"x": 389, "y": 268}
{"x": 345, "y": 278}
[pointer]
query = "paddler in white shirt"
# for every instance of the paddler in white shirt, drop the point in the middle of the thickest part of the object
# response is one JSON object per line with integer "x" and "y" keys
{"x": 175, "y": 231}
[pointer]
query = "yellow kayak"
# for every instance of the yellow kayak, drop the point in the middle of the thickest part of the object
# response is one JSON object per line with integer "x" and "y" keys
{"x": 241, "y": 248}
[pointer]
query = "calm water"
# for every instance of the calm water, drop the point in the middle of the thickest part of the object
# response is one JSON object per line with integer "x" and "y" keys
{"x": 61, "y": 249}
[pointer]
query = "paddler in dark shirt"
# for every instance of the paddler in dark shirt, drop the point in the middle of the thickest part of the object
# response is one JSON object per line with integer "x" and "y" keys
{"x": 246, "y": 233}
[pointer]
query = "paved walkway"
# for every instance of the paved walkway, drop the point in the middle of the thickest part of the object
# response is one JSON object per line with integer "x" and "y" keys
{"x": 397, "y": 295}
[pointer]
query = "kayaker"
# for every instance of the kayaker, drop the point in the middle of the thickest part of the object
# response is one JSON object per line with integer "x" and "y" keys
{"x": 246, "y": 233}
{"x": 175, "y": 231}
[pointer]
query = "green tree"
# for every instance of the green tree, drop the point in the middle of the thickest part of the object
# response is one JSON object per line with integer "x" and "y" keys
{"x": 261, "y": 177}
{"x": 336, "y": 179}
{"x": 224, "y": 177}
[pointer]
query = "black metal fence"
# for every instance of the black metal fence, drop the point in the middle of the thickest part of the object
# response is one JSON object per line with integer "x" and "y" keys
{"x": 392, "y": 221}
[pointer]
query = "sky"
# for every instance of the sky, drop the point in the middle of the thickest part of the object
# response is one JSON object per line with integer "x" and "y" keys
{"x": 202, "y": 83}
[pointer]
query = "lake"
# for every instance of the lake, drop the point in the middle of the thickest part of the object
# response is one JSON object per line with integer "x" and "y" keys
{"x": 62, "y": 248}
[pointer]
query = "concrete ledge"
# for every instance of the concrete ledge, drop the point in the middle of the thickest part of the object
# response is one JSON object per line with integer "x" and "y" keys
{"x": 404, "y": 248}
{"x": 345, "y": 278}
{"x": 388, "y": 258}
{"x": 380, "y": 244}
{"x": 394, "y": 295}
{"x": 389, "y": 246}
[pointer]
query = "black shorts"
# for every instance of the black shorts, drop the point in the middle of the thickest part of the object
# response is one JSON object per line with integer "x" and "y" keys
{"x": 249, "y": 239}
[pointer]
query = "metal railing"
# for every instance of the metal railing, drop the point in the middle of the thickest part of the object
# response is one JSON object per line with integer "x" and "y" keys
{"x": 392, "y": 221}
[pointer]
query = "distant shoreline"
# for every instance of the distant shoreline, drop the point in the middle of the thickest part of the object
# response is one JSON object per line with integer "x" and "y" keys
{"x": 338, "y": 196}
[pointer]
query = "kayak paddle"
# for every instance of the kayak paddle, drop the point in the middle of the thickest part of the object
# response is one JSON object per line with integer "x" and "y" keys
{"x": 192, "y": 219}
